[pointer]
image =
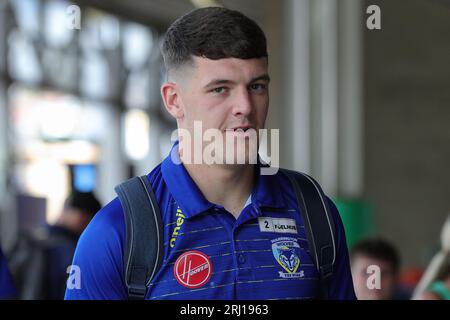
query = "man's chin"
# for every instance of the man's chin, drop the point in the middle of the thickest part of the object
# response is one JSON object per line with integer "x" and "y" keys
{"x": 241, "y": 156}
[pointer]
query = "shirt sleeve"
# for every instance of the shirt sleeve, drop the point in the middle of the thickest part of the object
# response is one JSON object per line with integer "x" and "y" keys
{"x": 341, "y": 282}
{"x": 97, "y": 267}
{"x": 7, "y": 288}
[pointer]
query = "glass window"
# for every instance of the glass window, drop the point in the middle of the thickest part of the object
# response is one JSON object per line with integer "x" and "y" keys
{"x": 23, "y": 62}
{"x": 56, "y": 32}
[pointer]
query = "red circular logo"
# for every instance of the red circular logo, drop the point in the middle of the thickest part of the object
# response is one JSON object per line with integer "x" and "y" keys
{"x": 192, "y": 269}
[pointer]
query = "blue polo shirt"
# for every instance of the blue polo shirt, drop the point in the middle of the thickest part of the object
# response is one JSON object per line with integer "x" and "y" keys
{"x": 7, "y": 289}
{"x": 208, "y": 254}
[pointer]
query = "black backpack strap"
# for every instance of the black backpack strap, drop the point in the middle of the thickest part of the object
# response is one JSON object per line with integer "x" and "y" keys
{"x": 319, "y": 224}
{"x": 143, "y": 252}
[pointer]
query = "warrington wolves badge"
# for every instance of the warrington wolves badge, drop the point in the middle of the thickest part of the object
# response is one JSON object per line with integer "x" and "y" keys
{"x": 287, "y": 253}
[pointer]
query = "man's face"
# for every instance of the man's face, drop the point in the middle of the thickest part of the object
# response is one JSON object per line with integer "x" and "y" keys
{"x": 224, "y": 94}
{"x": 388, "y": 278}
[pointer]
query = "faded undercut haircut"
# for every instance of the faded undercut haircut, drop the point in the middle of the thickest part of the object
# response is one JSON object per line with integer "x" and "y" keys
{"x": 213, "y": 33}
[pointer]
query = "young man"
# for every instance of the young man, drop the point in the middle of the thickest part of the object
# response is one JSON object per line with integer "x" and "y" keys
{"x": 380, "y": 253}
{"x": 215, "y": 245}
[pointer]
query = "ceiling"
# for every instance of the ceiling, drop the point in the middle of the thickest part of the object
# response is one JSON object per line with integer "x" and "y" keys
{"x": 161, "y": 13}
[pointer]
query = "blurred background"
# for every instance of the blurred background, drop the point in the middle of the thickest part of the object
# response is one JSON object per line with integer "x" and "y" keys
{"x": 364, "y": 111}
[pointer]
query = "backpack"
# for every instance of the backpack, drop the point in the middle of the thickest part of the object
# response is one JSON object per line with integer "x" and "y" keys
{"x": 144, "y": 251}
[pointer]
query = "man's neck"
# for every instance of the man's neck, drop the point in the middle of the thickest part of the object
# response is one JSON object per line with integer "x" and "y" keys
{"x": 228, "y": 186}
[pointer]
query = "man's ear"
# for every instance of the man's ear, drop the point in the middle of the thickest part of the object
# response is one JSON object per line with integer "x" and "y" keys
{"x": 171, "y": 99}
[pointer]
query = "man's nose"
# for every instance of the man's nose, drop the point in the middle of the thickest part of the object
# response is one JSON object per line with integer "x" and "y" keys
{"x": 242, "y": 104}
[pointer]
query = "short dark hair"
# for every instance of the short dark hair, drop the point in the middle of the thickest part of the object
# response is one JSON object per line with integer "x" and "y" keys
{"x": 378, "y": 248}
{"x": 213, "y": 33}
{"x": 84, "y": 201}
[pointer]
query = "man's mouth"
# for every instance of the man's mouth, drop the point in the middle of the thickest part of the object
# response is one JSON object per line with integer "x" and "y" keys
{"x": 239, "y": 128}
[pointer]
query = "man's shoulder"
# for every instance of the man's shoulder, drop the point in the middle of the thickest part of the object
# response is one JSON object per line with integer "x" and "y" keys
{"x": 282, "y": 178}
{"x": 99, "y": 255}
{"x": 287, "y": 189}
{"x": 110, "y": 215}
{"x": 106, "y": 228}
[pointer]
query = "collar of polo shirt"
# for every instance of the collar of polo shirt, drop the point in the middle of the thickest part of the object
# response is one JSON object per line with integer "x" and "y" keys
{"x": 266, "y": 192}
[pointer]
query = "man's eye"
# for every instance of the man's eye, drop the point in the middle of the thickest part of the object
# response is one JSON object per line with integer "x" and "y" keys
{"x": 219, "y": 90}
{"x": 258, "y": 87}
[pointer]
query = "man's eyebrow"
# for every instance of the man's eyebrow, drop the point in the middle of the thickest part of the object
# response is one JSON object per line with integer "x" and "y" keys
{"x": 264, "y": 77}
{"x": 218, "y": 81}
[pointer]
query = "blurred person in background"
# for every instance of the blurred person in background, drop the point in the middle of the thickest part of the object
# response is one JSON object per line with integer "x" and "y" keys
{"x": 435, "y": 283}
{"x": 376, "y": 252}
{"x": 42, "y": 259}
{"x": 7, "y": 289}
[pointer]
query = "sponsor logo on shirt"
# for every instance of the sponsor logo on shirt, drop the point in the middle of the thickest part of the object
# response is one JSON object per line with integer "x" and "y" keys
{"x": 192, "y": 269}
{"x": 180, "y": 221}
{"x": 278, "y": 225}
{"x": 287, "y": 253}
